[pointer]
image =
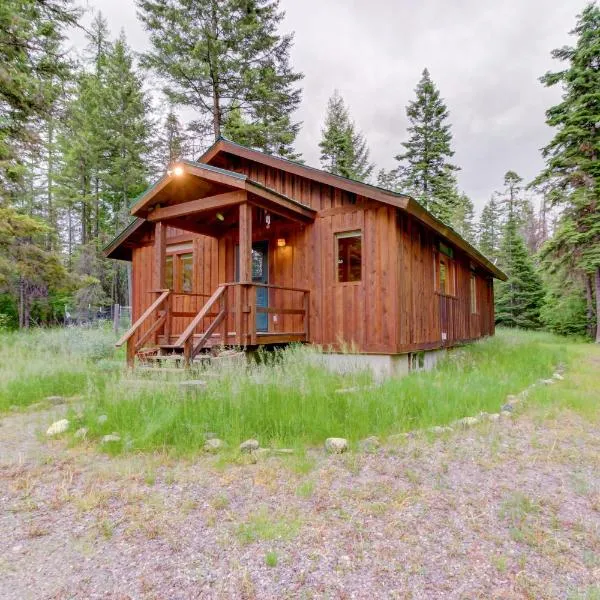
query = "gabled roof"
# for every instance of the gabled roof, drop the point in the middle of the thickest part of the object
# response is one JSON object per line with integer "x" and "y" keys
{"x": 403, "y": 201}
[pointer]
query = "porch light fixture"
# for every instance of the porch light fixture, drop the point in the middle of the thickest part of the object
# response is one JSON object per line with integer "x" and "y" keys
{"x": 281, "y": 242}
{"x": 178, "y": 171}
{"x": 220, "y": 216}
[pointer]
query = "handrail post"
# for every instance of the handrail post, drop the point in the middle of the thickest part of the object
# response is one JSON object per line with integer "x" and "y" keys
{"x": 306, "y": 301}
{"x": 252, "y": 314}
{"x": 167, "y": 325}
{"x": 131, "y": 352}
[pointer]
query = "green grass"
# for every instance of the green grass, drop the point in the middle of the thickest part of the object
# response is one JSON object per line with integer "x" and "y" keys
{"x": 289, "y": 401}
{"x": 53, "y": 362}
{"x": 286, "y": 400}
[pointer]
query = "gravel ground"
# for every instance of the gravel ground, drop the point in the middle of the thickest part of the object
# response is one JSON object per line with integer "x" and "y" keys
{"x": 509, "y": 509}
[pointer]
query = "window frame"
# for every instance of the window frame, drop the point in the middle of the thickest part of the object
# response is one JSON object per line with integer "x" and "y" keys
{"x": 176, "y": 255}
{"x": 346, "y": 234}
{"x": 473, "y": 293}
{"x": 445, "y": 258}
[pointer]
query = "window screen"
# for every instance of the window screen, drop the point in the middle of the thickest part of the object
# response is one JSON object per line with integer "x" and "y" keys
{"x": 349, "y": 256}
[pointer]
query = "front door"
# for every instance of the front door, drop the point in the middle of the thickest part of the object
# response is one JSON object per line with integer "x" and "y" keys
{"x": 260, "y": 274}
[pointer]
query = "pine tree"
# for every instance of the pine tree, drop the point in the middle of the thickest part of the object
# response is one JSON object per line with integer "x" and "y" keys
{"x": 489, "y": 230}
{"x": 220, "y": 56}
{"x": 424, "y": 169}
{"x": 462, "y": 218}
{"x": 573, "y": 155}
{"x": 172, "y": 141}
{"x": 518, "y": 300}
{"x": 127, "y": 129}
{"x": 343, "y": 149}
{"x": 30, "y": 54}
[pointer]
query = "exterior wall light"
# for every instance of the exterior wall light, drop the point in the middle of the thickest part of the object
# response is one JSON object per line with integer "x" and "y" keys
{"x": 220, "y": 216}
{"x": 281, "y": 242}
{"x": 178, "y": 171}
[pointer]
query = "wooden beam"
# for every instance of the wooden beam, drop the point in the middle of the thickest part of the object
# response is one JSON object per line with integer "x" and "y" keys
{"x": 215, "y": 231}
{"x": 160, "y": 253}
{"x": 200, "y": 205}
{"x": 276, "y": 200}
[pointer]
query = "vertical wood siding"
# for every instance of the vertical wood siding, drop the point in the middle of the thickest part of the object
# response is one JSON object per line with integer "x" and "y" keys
{"x": 394, "y": 308}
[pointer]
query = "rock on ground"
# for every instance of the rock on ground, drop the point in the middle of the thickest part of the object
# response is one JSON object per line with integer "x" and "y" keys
{"x": 58, "y": 427}
{"x": 250, "y": 445}
{"x": 336, "y": 445}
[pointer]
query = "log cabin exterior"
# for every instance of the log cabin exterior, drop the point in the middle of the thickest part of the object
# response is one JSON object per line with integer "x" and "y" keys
{"x": 245, "y": 249}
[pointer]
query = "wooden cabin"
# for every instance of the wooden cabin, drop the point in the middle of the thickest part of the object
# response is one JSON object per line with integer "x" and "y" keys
{"x": 247, "y": 249}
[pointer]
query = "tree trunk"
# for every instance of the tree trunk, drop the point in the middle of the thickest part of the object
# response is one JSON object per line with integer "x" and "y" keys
{"x": 21, "y": 303}
{"x": 597, "y": 305}
{"x": 589, "y": 298}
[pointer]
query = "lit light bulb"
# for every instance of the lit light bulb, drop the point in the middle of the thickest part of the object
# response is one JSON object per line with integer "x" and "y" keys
{"x": 178, "y": 171}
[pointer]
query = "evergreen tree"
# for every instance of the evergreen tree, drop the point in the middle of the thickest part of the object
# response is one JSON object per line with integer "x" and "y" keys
{"x": 127, "y": 129}
{"x": 172, "y": 141}
{"x": 220, "y": 56}
{"x": 518, "y": 300}
{"x": 573, "y": 155}
{"x": 343, "y": 149}
{"x": 489, "y": 230}
{"x": 425, "y": 169}
{"x": 462, "y": 218}
{"x": 30, "y": 54}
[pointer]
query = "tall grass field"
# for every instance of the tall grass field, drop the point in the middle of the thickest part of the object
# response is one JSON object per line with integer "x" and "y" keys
{"x": 284, "y": 399}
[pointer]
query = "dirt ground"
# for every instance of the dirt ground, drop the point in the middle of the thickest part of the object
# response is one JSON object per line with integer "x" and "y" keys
{"x": 506, "y": 509}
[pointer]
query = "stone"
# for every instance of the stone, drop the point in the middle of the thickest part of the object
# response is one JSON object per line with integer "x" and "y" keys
{"x": 370, "y": 444}
{"x": 102, "y": 419}
{"x": 282, "y": 451}
{"x": 249, "y": 446}
{"x": 493, "y": 417}
{"x": 507, "y": 408}
{"x": 58, "y": 427}
{"x": 510, "y": 399}
{"x": 81, "y": 433}
{"x": 468, "y": 421}
{"x": 558, "y": 376}
{"x": 438, "y": 429}
{"x": 210, "y": 435}
{"x": 505, "y": 413}
{"x": 111, "y": 437}
{"x": 214, "y": 445}
{"x": 336, "y": 445}
{"x": 547, "y": 381}
{"x": 55, "y": 400}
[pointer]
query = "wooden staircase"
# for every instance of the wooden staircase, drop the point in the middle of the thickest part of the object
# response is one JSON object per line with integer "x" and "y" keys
{"x": 150, "y": 341}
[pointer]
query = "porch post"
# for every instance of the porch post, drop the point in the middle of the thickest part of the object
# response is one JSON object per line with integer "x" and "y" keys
{"x": 160, "y": 259}
{"x": 160, "y": 250}
{"x": 245, "y": 270}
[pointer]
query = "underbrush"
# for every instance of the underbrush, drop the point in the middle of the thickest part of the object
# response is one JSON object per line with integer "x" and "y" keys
{"x": 47, "y": 362}
{"x": 289, "y": 400}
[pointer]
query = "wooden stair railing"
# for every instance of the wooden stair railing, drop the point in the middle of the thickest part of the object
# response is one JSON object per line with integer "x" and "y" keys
{"x": 186, "y": 339}
{"x": 128, "y": 336}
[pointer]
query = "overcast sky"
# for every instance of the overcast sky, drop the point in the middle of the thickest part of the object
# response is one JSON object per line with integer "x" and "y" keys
{"x": 485, "y": 56}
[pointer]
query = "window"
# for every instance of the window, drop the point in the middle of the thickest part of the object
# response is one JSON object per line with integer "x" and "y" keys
{"x": 349, "y": 256}
{"x": 169, "y": 272}
{"x": 473, "y": 293}
{"x": 445, "y": 275}
{"x": 179, "y": 272}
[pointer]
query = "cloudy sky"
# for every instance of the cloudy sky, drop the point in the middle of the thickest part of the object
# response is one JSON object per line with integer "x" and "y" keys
{"x": 485, "y": 56}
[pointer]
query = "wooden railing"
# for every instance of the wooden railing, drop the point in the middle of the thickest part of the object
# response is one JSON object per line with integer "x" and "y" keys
{"x": 162, "y": 319}
{"x": 186, "y": 339}
{"x": 232, "y": 311}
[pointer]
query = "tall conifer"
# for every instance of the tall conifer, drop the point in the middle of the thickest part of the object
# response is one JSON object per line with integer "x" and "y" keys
{"x": 343, "y": 149}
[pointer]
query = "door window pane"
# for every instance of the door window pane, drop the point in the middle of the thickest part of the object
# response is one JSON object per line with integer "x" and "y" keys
{"x": 187, "y": 272}
{"x": 258, "y": 265}
{"x": 349, "y": 256}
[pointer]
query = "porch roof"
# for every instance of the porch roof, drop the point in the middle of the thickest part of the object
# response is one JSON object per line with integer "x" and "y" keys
{"x": 190, "y": 187}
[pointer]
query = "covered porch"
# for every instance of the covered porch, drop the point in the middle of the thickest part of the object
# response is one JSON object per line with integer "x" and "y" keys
{"x": 245, "y": 292}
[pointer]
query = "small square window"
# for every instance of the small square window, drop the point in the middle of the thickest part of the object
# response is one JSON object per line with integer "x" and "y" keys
{"x": 349, "y": 256}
